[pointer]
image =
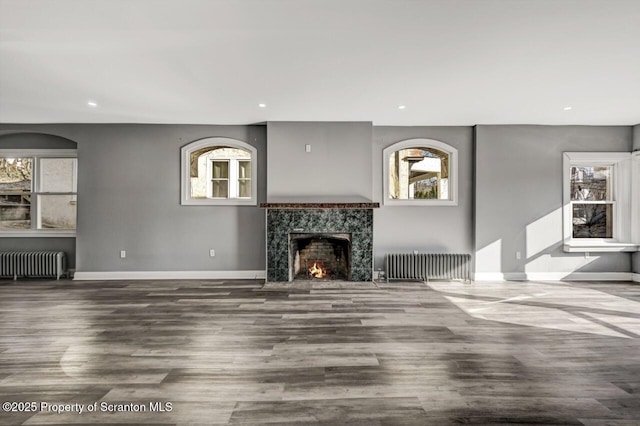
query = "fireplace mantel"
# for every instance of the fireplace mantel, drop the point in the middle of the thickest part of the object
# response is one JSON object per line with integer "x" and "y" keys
{"x": 319, "y": 202}
{"x": 320, "y": 205}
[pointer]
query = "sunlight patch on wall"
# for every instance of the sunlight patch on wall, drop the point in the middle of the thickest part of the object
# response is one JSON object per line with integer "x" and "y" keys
{"x": 544, "y": 233}
{"x": 489, "y": 258}
{"x": 546, "y": 262}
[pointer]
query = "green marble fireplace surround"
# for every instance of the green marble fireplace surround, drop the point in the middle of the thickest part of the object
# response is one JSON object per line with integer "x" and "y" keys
{"x": 354, "y": 219}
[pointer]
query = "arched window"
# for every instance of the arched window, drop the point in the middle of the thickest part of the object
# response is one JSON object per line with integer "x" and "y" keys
{"x": 420, "y": 172}
{"x": 219, "y": 171}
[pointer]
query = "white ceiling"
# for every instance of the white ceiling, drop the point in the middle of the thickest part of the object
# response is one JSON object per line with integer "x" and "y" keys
{"x": 451, "y": 62}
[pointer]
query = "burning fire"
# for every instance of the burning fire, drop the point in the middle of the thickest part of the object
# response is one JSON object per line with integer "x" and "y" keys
{"x": 317, "y": 271}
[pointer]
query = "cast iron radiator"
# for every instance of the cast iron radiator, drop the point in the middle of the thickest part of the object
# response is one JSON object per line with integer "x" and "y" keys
{"x": 32, "y": 264}
{"x": 446, "y": 266}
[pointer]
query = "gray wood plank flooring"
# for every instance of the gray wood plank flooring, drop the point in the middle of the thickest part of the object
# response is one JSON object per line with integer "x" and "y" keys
{"x": 240, "y": 352}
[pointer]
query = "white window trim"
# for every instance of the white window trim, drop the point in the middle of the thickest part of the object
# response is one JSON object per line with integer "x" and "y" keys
{"x": 426, "y": 143}
{"x": 185, "y": 177}
{"x": 635, "y": 198}
{"x": 622, "y": 240}
{"x": 38, "y": 154}
{"x": 210, "y": 178}
{"x": 236, "y": 177}
{"x": 233, "y": 179}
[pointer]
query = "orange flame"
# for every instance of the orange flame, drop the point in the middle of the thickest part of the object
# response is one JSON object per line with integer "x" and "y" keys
{"x": 317, "y": 271}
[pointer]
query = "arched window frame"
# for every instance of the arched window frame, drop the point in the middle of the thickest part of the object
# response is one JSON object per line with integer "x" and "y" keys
{"x": 422, "y": 143}
{"x": 185, "y": 184}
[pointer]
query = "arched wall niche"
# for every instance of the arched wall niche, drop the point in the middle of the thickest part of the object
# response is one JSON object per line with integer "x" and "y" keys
{"x": 30, "y": 140}
{"x": 11, "y": 139}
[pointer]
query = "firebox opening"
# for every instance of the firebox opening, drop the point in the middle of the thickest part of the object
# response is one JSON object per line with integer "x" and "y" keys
{"x": 320, "y": 256}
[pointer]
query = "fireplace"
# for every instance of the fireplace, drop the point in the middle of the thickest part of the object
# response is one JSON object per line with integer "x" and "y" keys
{"x": 336, "y": 237}
{"x": 320, "y": 256}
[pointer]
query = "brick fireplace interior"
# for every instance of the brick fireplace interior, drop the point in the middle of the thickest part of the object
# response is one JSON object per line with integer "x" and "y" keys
{"x": 323, "y": 256}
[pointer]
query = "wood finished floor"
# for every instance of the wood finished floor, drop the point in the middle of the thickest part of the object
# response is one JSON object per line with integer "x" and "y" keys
{"x": 233, "y": 352}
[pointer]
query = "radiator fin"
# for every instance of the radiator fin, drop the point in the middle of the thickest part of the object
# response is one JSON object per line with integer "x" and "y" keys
{"x": 32, "y": 264}
{"x": 425, "y": 266}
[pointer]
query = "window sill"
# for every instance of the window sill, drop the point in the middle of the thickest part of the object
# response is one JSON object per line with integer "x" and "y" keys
{"x": 219, "y": 202}
{"x": 599, "y": 246}
{"x": 38, "y": 234}
{"x": 420, "y": 203}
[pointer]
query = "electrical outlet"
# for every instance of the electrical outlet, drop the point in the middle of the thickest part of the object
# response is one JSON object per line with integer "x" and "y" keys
{"x": 123, "y": 254}
{"x": 518, "y": 255}
{"x": 307, "y": 148}
{"x": 212, "y": 253}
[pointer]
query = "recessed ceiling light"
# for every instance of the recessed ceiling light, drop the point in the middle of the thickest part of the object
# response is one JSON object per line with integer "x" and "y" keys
{"x": 402, "y": 106}
{"x": 92, "y": 104}
{"x": 567, "y": 108}
{"x": 262, "y": 105}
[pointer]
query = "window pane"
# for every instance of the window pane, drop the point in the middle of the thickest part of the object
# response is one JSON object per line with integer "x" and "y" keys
{"x": 57, "y": 211}
{"x": 244, "y": 169}
{"x": 57, "y": 174}
{"x": 220, "y": 170}
{"x": 592, "y": 221}
{"x": 244, "y": 189}
{"x": 220, "y": 189}
{"x": 15, "y": 174}
{"x": 419, "y": 173}
{"x": 198, "y": 188}
{"x": 590, "y": 183}
{"x": 15, "y": 211}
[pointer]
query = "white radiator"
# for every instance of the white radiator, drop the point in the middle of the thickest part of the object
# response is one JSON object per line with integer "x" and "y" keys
{"x": 32, "y": 264}
{"x": 446, "y": 266}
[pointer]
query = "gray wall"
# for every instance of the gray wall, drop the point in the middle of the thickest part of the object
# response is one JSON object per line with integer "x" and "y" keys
{"x": 402, "y": 229}
{"x": 519, "y": 197}
{"x": 337, "y": 168}
{"x": 636, "y": 147}
{"x": 129, "y": 199}
{"x": 129, "y": 195}
{"x": 29, "y": 140}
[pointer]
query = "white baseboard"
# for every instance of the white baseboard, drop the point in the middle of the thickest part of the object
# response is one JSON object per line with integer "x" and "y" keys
{"x": 554, "y": 276}
{"x": 479, "y": 276}
{"x": 580, "y": 276}
{"x": 489, "y": 276}
{"x": 168, "y": 275}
